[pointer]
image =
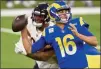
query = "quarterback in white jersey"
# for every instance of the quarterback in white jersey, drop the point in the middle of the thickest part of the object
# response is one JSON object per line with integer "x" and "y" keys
{"x": 45, "y": 58}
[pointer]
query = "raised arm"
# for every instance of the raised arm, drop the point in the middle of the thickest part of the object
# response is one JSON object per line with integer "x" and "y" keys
{"x": 90, "y": 39}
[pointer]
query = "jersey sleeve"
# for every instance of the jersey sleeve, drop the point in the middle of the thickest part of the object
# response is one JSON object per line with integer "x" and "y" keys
{"x": 31, "y": 28}
{"x": 84, "y": 28}
{"x": 19, "y": 47}
{"x": 38, "y": 45}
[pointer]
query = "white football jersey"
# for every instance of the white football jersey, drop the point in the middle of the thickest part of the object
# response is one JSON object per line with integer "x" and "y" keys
{"x": 35, "y": 34}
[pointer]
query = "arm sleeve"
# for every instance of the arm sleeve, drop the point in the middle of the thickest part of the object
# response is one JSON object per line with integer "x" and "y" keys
{"x": 19, "y": 49}
{"x": 38, "y": 45}
{"x": 85, "y": 31}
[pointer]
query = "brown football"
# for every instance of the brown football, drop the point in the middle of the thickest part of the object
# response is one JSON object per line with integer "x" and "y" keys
{"x": 19, "y": 23}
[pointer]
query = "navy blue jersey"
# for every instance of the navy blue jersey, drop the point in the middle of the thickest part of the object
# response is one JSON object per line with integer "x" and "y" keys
{"x": 68, "y": 48}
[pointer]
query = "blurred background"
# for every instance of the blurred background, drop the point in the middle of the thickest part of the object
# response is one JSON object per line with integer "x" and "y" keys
{"x": 89, "y": 10}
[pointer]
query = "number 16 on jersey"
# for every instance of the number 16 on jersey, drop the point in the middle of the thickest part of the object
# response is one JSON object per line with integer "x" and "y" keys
{"x": 64, "y": 45}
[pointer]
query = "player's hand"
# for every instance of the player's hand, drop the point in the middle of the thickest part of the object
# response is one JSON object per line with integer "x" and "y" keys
{"x": 73, "y": 29}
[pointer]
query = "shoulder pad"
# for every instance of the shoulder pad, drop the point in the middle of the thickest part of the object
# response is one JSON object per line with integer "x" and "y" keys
{"x": 79, "y": 21}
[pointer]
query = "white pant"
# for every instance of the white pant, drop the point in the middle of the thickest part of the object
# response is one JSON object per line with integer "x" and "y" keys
{"x": 43, "y": 64}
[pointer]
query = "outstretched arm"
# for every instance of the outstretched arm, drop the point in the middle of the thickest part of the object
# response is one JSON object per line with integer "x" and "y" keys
{"x": 26, "y": 42}
{"x": 42, "y": 55}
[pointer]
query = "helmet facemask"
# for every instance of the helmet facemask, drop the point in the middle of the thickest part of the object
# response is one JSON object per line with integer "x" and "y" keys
{"x": 38, "y": 19}
{"x": 63, "y": 15}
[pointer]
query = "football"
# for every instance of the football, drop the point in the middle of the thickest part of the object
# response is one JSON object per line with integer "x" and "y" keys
{"x": 19, "y": 23}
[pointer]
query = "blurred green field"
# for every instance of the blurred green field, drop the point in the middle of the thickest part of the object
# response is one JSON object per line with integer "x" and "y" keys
{"x": 77, "y": 3}
{"x": 8, "y": 57}
{"x": 11, "y": 60}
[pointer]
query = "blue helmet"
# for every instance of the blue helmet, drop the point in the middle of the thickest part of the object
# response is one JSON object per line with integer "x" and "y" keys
{"x": 58, "y": 6}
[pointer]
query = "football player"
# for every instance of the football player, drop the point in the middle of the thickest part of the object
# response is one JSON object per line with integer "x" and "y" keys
{"x": 67, "y": 38}
{"x": 36, "y": 23}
